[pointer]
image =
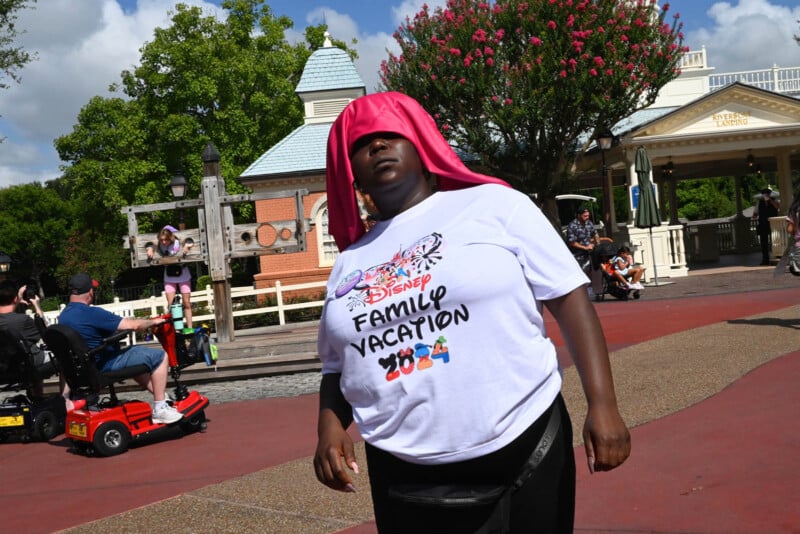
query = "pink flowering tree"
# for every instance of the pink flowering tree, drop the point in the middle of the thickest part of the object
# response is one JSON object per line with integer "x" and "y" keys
{"x": 525, "y": 85}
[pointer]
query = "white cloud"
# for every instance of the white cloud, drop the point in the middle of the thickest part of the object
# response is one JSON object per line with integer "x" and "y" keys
{"x": 749, "y": 35}
{"x": 81, "y": 47}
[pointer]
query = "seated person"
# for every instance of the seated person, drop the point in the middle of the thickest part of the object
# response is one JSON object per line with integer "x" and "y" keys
{"x": 21, "y": 327}
{"x": 609, "y": 269}
{"x": 95, "y": 324}
{"x": 623, "y": 264}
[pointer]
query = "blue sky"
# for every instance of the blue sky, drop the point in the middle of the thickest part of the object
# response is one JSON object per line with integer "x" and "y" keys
{"x": 83, "y": 46}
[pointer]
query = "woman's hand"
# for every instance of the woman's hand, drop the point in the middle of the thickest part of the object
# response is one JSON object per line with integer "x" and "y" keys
{"x": 334, "y": 451}
{"x": 605, "y": 438}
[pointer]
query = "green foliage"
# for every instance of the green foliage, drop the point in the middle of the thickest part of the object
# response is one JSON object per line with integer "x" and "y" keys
{"x": 12, "y": 58}
{"x": 203, "y": 281}
{"x": 519, "y": 82}
{"x": 202, "y": 79}
{"x": 712, "y": 198}
{"x": 34, "y": 225}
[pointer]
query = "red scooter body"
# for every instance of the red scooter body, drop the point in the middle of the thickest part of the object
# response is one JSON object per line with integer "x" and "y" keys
{"x": 108, "y": 428}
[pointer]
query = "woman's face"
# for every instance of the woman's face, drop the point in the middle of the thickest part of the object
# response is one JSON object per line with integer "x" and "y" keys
{"x": 386, "y": 164}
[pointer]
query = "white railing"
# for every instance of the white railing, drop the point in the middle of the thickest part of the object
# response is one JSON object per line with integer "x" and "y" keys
{"x": 157, "y": 305}
{"x": 694, "y": 59}
{"x": 777, "y": 80}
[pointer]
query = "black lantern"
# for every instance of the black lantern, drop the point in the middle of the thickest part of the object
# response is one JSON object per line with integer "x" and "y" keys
{"x": 178, "y": 185}
{"x": 5, "y": 262}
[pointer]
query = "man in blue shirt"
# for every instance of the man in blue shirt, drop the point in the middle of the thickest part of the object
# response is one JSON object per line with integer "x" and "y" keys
{"x": 95, "y": 324}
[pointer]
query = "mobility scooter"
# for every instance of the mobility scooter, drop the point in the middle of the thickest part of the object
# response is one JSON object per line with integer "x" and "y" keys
{"x": 24, "y": 413}
{"x": 107, "y": 426}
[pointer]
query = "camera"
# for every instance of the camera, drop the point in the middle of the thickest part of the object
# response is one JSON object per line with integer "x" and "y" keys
{"x": 31, "y": 292}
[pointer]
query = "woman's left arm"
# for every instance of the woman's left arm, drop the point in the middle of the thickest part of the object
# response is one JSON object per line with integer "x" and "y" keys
{"x": 605, "y": 435}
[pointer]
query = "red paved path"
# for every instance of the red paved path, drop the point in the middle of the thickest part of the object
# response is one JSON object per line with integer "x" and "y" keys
{"x": 722, "y": 458}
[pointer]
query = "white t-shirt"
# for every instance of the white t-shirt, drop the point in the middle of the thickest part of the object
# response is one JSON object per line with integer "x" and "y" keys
{"x": 434, "y": 320}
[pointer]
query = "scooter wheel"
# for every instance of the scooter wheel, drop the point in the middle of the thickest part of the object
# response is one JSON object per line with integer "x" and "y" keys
{"x": 195, "y": 423}
{"x": 111, "y": 438}
{"x": 45, "y": 426}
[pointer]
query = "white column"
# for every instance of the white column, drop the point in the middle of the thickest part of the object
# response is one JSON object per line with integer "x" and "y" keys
{"x": 784, "y": 166}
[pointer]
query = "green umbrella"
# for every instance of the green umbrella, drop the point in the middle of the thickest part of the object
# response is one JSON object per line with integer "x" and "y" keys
{"x": 647, "y": 215}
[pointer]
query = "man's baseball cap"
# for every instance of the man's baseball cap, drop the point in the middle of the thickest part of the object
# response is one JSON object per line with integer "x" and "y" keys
{"x": 81, "y": 283}
{"x": 581, "y": 209}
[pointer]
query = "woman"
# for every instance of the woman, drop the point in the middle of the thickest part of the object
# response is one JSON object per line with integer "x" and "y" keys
{"x": 176, "y": 277}
{"x": 432, "y": 337}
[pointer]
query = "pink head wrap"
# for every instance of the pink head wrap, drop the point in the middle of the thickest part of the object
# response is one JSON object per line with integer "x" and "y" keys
{"x": 394, "y": 113}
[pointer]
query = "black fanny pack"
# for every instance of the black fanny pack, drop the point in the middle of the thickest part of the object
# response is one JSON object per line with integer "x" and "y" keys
{"x": 475, "y": 495}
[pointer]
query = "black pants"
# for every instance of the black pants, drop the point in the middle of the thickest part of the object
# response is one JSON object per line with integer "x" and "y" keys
{"x": 546, "y": 503}
{"x": 764, "y": 236}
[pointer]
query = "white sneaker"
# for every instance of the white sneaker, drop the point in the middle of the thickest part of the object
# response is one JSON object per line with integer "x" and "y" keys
{"x": 166, "y": 415}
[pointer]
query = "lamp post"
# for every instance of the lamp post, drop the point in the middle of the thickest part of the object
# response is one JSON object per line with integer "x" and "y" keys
{"x": 178, "y": 185}
{"x": 605, "y": 140}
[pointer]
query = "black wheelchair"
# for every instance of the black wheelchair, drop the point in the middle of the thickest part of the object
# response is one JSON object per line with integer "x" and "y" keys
{"x": 23, "y": 412}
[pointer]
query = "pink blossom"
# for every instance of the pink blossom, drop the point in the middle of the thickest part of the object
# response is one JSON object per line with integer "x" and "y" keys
{"x": 433, "y": 77}
{"x": 468, "y": 60}
{"x": 593, "y": 72}
{"x": 563, "y": 74}
{"x": 495, "y": 98}
{"x": 445, "y": 127}
{"x": 535, "y": 41}
{"x": 462, "y": 81}
{"x": 499, "y": 34}
{"x": 508, "y": 101}
{"x": 455, "y": 52}
{"x": 552, "y": 25}
{"x": 599, "y": 61}
{"x": 479, "y": 35}
{"x": 624, "y": 38}
{"x": 489, "y": 62}
{"x": 609, "y": 72}
{"x": 488, "y": 51}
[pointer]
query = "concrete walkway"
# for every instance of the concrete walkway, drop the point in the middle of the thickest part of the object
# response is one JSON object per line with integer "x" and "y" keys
{"x": 707, "y": 383}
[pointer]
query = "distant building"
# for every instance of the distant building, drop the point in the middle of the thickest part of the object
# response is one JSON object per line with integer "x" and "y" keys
{"x": 329, "y": 82}
{"x": 701, "y": 125}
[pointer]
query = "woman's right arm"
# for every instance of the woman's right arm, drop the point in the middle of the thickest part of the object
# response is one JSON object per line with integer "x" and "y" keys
{"x": 334, "y": 446}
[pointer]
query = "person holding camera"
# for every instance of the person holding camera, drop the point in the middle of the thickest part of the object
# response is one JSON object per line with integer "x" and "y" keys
{"x": 766, "y": 207}
{"x": 177, "y": 277}
{"x": 20, "y": 326}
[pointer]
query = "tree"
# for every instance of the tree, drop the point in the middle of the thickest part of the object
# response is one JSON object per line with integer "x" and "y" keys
{"x": 526, "y": 85}
{"x": 34, "y": 225}
{"x": 201, "y": 79}
{"x": 12, "y": 58}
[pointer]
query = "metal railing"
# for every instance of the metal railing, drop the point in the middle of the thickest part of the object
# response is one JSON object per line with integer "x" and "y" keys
{"x": 778, "y": 80}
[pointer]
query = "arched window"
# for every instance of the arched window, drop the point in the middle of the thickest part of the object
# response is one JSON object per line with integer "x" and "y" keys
{"x": 327, "y": 249}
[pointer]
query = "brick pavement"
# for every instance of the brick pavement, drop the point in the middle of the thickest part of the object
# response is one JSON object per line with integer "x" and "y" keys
{"x": 682, "y": 365}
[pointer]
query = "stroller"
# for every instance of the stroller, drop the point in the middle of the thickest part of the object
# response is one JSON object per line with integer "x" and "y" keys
{"x": 603, "y": 282}
{"x": 23, "y": 413}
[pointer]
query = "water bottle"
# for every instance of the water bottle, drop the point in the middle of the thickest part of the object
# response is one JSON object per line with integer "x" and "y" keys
{"x": 177, "y": 315}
